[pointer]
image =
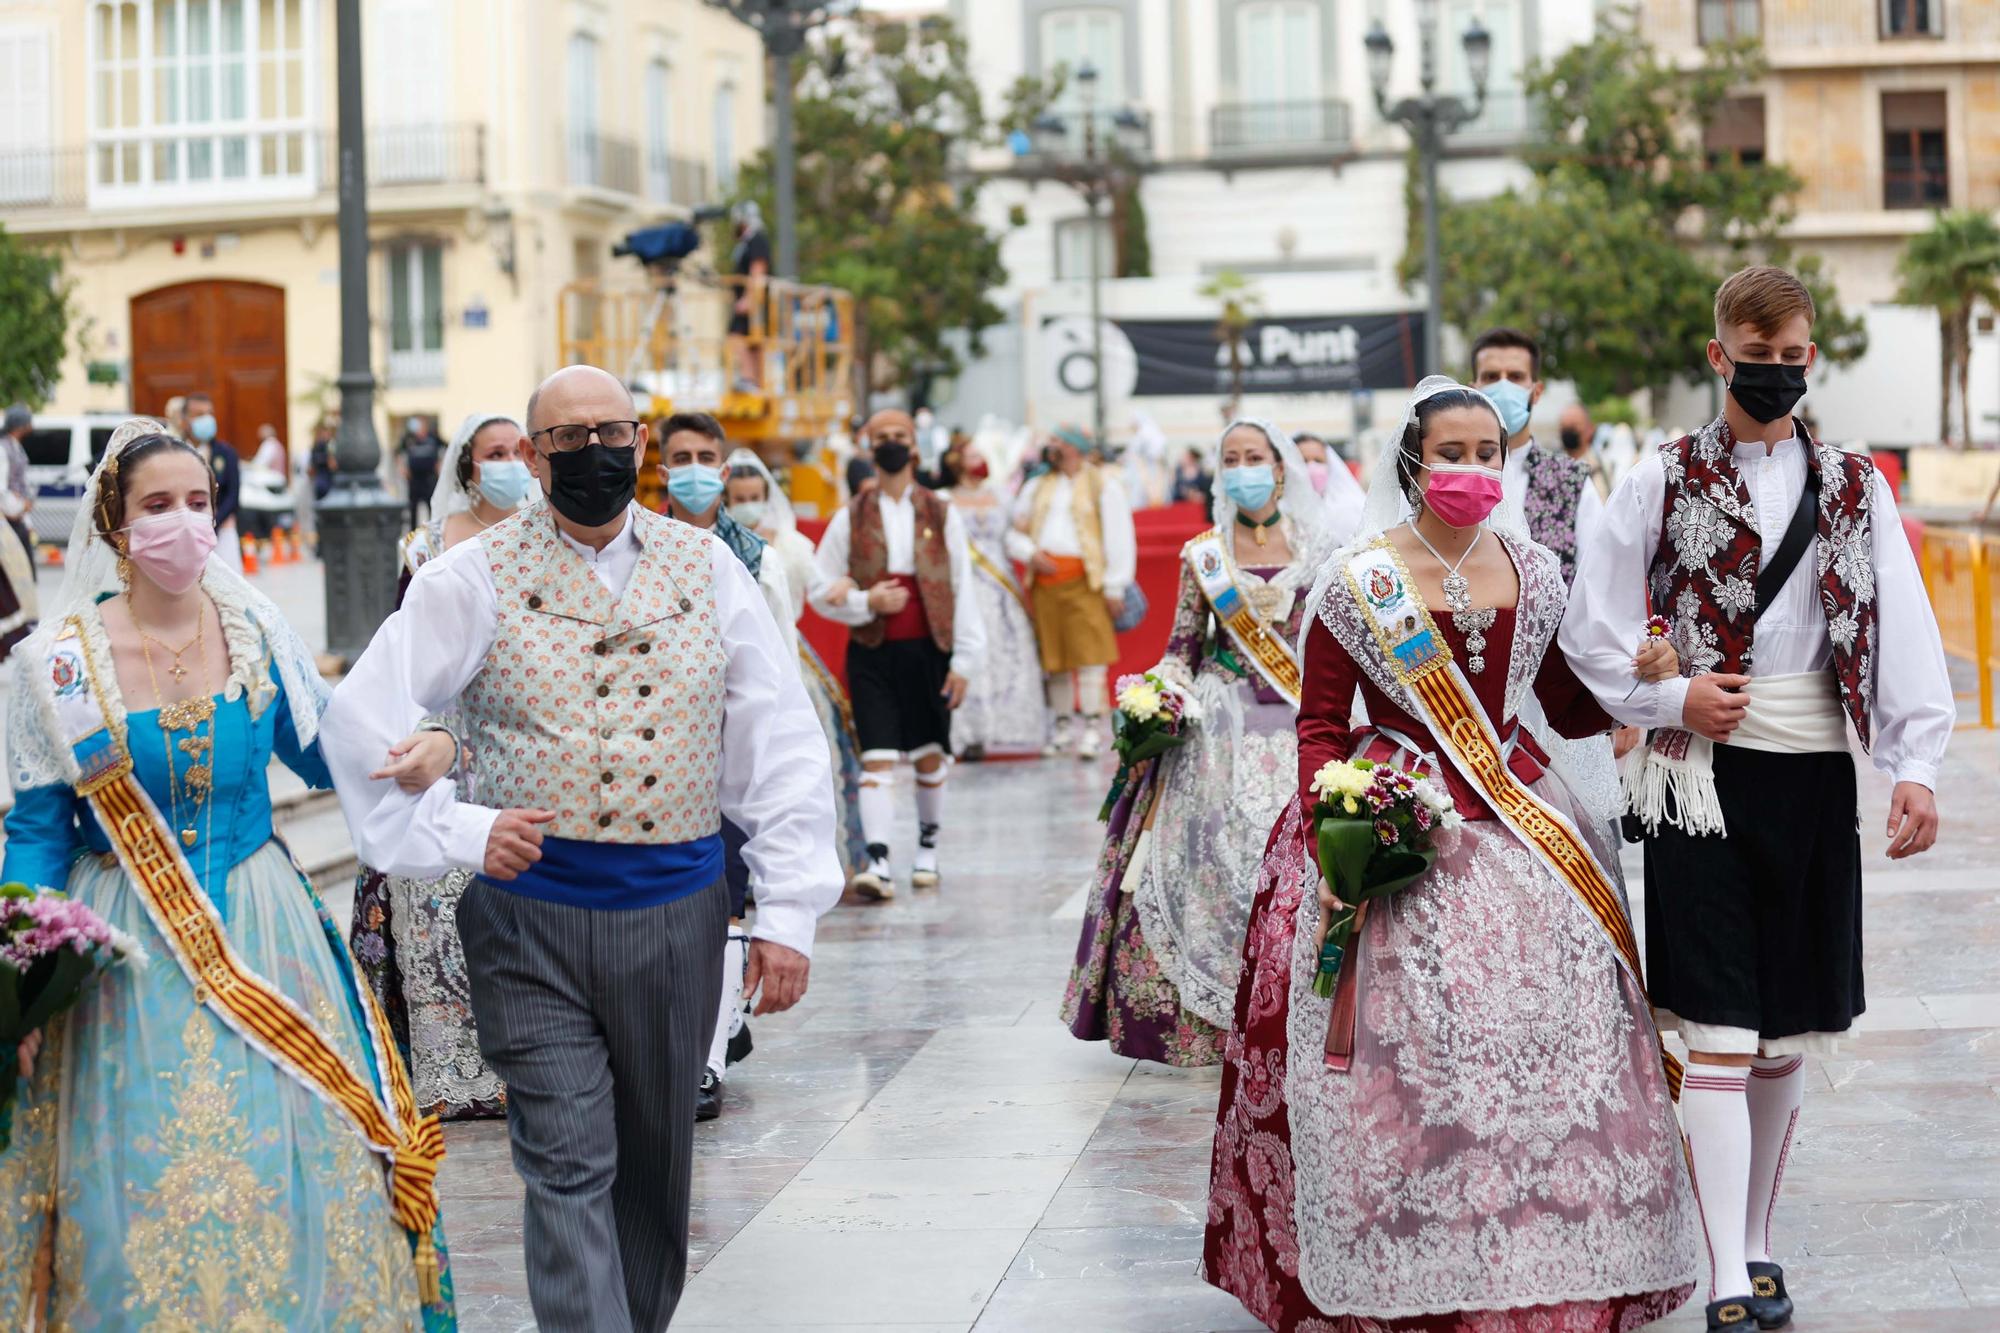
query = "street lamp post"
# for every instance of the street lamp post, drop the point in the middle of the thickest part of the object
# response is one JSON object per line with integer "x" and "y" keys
{"x": 783, "y": 25}
{"x": 359, "y": 521}
{"x": 1094, "y": 174}
{"x": 1430, "y": 118}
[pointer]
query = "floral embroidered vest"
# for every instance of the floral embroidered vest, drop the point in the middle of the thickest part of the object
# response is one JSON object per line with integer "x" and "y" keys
{"x": 1555, "y": 489}
{"x": 606, "y": 711}
{"x": 1704, "y": 574}
{"x": 868, "y": 561}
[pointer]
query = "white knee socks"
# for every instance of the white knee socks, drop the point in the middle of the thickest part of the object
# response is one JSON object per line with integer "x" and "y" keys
{"x": 1092, "y": 700}
{"x": 1715, "y": 1116}
{"x": 730, "y": 1014}
{"x": 878, "y": 809}
{"x": 1061, "y": 691}
{"x": 930, "y": 799}
{"x": 1777, "y": 1085}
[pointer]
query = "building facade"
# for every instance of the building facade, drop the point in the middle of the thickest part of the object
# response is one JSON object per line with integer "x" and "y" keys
{"x": 181, "y": 155}
{"x": 1266, "y": 157}
{"x": 1886, "y": 110}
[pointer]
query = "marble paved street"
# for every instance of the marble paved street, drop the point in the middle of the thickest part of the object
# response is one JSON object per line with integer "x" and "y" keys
{"x": 921, "y": 1145}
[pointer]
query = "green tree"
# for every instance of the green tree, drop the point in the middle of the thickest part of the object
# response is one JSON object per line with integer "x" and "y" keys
{"x": 1949, "y": 268}
{"x": 885, "y": 111}
{"x": 34, "y": 321}
{"x": 1238, "y": 303}
{"x": 1613, "y": 253}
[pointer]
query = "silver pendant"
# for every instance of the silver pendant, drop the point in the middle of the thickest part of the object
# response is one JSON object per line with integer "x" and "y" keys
{"x": 1473, "y": 625}
{"x": 1457, "y": 592}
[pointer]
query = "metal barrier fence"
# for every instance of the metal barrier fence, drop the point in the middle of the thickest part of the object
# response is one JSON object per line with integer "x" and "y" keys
{"x": 1958, "y": 573}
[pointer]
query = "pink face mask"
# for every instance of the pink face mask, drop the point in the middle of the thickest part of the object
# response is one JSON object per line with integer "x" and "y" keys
{"x": 172, "y": 548}
{"x": 1462, "y": 494}
{"x": 1317, "y": 472}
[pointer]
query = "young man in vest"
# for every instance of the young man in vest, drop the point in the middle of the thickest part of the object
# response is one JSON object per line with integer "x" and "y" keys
{"x": 692, "y": 447}
{"x": 1553, "y": 489}
{"x": 624, "y": 689}
{"x": 1073, "y": 530}
{"x": 898, "y": 571}
{"x": 1799, "y": 614}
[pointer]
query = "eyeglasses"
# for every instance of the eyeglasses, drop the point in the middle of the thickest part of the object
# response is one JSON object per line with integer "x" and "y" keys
{"x": 610, "y": 434}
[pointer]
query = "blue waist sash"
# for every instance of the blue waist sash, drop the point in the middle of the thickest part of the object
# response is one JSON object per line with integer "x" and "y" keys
{"x": 618, "y": 876}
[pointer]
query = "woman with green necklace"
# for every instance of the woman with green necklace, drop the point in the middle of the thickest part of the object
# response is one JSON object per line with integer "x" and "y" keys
{"x": 1162, "y": 941}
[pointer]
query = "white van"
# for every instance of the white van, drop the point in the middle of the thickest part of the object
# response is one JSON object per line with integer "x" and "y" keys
{"x": 61, "y": 452}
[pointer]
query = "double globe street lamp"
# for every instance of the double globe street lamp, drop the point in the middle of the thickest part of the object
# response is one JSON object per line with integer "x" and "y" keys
{"x": 1095, "y": 169}
{"x": 1430, "y": 117}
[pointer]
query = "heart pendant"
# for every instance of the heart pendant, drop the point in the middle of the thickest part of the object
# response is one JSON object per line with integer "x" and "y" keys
{"x": 187, "y": 837}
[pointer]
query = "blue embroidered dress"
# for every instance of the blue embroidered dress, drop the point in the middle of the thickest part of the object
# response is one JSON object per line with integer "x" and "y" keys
{"x": 191, "y": 1183}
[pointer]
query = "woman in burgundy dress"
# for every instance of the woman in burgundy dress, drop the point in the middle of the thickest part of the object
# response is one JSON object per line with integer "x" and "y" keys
{"x": 1476, "y": 1132}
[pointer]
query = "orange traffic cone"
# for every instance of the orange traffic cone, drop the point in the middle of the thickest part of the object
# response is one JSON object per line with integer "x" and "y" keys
{"x": 249, "y": 556}
{"x": 279, "y": 555}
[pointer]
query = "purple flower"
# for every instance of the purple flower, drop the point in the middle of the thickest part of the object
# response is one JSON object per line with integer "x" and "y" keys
{"x": 1386, "y": 833}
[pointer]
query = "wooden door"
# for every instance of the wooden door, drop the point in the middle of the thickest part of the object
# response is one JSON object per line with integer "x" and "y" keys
{"x": 221, "y": 337}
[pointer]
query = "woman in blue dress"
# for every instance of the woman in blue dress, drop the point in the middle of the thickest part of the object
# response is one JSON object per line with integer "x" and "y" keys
{"x": 220, "y": 1135}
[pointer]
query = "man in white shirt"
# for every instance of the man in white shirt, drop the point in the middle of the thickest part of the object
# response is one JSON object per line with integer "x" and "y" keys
{"x": 897, "y": 572}
{"x": 1073, "y": 530}
{"x": 1787, "y": 585}
{"x": 1552, "y": 488}
{"x": 624, "y": 688}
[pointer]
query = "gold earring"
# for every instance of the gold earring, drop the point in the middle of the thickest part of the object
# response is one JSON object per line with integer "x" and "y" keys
{"x": 125, "y": 570}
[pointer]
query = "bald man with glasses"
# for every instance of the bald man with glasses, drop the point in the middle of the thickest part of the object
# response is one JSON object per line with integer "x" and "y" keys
{"x": 624, "y": 688}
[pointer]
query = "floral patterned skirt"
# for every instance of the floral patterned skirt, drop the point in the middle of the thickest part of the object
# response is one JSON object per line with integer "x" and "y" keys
{"x": 1117, "y": 992}
{"x": 405, "y": 941}
{"x": 1501, "y": 1154}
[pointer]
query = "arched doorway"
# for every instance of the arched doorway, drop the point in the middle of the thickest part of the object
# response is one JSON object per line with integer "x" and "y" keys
{"x": 220, "y": 336}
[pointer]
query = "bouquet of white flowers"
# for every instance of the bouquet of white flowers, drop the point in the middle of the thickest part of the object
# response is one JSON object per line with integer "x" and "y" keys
{"x": 1377, "y": 832}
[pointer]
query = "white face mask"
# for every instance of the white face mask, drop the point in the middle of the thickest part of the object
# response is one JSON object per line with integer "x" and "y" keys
{"x": 750, "y": 513}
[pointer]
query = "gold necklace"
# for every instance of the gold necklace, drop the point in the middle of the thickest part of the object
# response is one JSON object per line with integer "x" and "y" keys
{"x": 179, "y": 672}
{"x": 188, "y": 715}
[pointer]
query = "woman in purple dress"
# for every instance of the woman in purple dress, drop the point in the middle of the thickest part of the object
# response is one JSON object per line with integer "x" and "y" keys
{"x": 1157, "y": 963}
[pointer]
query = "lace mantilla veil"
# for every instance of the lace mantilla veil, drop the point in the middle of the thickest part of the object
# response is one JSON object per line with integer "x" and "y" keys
{"x": 448, "y": 497}
{"x": 252, "y": 627}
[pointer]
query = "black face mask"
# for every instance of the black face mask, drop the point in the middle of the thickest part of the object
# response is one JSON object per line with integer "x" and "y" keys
{"x": 1572, "y": 438}
{"x": 592, "y": 485}
{"x": 1767, "y": 390}
{"x": 891, "y": 457}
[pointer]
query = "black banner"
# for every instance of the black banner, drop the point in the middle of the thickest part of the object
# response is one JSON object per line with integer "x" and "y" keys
{"x": 1310, "y": 354}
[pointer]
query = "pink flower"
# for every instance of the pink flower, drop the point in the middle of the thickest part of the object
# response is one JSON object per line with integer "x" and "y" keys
{"x": 1386, "y": 834}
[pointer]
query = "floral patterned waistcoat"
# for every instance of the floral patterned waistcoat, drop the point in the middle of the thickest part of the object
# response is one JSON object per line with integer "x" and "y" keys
{"x": 868, "y": 561}
{"x": 1704, "y": 574}
{"x": 606, "y": 711}
{"x": 1555, "y": 489}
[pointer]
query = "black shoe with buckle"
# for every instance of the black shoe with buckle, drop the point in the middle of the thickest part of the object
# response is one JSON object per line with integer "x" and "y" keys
{"x": 1770, "y": 1302}
{"x": 1734, "y": 1315}
{"x": 708, "y": 1101}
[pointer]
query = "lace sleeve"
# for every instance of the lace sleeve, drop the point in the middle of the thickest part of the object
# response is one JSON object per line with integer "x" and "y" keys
{"x": 1188, "y": 638}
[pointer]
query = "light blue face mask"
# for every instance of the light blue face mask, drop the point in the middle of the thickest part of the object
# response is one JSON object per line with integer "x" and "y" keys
{"x": 1512, "y": 400}
{"x": 1249, "y": 488}
{"x": 695, "y": 486}
{"x": 202, "y": 427}
{"x": 505, "y": 482}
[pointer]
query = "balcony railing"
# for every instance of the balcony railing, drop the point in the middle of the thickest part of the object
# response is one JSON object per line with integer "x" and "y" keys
{"x": 1916, "y": 187}
{"x": 601, "y": 161}
{"x": 676, "y": 180}
{"x": 111, "y": 176}
{"x": 1507, "y": 118}
{"x": 413, "y": 155}
{"x": 1250, "y": 128}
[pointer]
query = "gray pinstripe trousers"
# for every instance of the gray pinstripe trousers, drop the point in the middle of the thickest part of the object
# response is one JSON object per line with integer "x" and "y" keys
{"x": 599, "y": 1023}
